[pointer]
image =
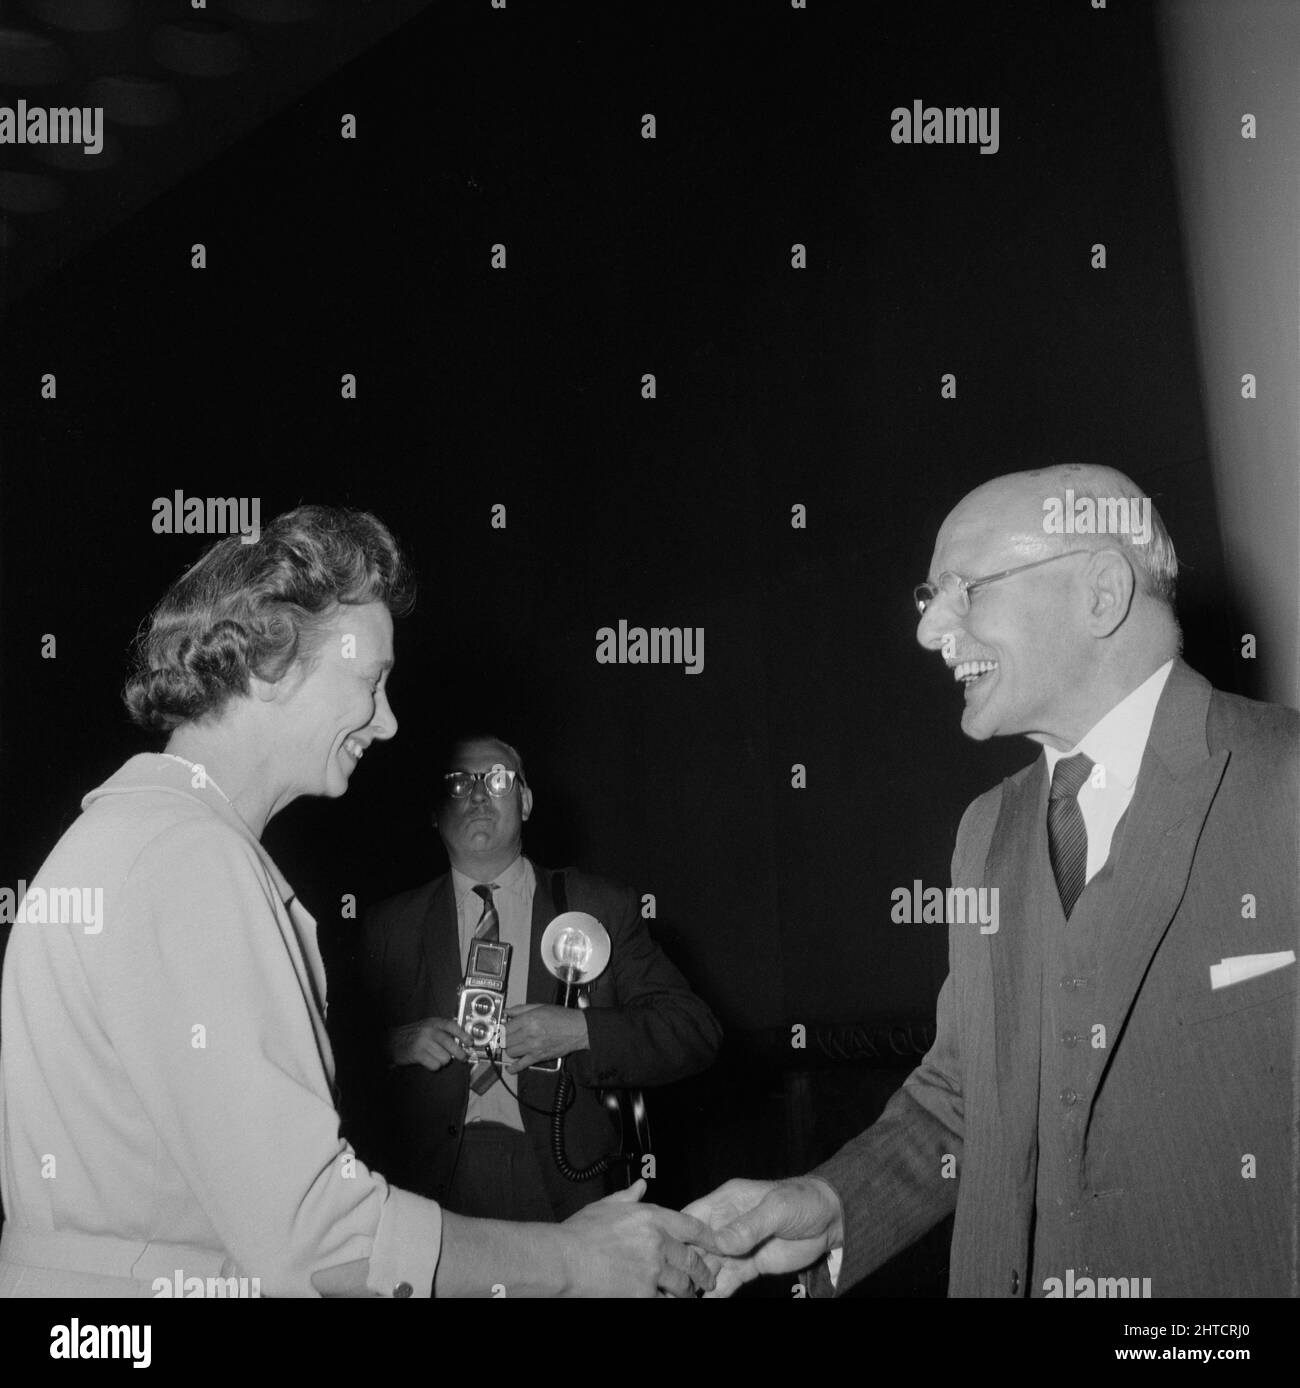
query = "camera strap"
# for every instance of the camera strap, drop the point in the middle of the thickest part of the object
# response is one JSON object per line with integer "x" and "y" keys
{"x": 560, "y": 899}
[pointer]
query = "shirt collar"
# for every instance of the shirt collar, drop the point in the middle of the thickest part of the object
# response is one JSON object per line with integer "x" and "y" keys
{"x": 511, "y": 880}
{"x": 1119, "y": 739}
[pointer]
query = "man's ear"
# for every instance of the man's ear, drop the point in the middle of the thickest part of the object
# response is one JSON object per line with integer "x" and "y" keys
{"x": 525, "y": 803}
{"x": 1111, "y": 585}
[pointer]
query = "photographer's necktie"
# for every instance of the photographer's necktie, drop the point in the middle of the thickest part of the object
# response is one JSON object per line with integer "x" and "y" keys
{"x": 1067, "y": 836}
{"x": 485, "y": 1074}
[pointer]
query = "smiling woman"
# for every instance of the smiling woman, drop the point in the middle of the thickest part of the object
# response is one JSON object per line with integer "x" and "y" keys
{"x": 250, "y": 610}
{"x": 166, "y": 1077}
{"x": 266, "y": 664}
{"x": 269, "y": 661}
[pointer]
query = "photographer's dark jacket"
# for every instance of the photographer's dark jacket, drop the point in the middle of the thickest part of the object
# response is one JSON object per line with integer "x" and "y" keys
{"x": 646, "y": 1028}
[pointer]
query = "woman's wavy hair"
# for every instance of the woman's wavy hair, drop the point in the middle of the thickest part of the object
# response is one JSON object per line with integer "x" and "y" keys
{"x": 244, "y": 610}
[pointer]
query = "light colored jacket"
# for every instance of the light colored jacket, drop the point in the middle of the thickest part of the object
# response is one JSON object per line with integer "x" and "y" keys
{"x": 165, "y": 1073}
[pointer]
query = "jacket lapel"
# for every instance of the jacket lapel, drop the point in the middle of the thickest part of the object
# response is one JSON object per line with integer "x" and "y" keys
{"x": 541, "y": 983}
{"x": 1016, "y": 950}
{"x": 535, "y": 1086}
{"x": 438, "y": 971}
{"x": 1176, "y": 785}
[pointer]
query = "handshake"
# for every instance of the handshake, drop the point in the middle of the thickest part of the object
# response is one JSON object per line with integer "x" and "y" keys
{"x": 743, "y": 1230}
{"x": 620, "y": 1247}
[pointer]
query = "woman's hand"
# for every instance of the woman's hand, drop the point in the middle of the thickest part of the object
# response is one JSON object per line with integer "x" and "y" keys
{"x": 620, "y": 1247}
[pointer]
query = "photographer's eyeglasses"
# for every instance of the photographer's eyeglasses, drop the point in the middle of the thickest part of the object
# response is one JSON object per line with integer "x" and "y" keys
{"x": 499, "y": 781}
{"x": 958, "y": 590}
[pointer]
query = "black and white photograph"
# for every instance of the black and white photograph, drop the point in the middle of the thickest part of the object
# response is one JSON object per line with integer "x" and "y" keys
{"x": 650, "y": 650}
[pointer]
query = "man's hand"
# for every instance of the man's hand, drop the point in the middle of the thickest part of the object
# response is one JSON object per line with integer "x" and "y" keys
{"x": 763, "y": 1227}
{"x": 536, "y": 1032}
{"x": 617, "y": 1247}
{"x": 433, "y": 1043}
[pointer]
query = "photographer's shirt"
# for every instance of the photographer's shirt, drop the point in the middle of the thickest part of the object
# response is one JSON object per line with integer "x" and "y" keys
{"x": 513, "y": 899}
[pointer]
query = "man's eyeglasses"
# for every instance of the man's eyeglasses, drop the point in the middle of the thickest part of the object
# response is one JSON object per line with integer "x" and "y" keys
{"x": 499, "y": 781}
{"x": 958, "y": 590}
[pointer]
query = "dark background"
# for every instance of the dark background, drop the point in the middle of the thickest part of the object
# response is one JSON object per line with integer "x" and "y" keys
{"x": 522, "y": 387}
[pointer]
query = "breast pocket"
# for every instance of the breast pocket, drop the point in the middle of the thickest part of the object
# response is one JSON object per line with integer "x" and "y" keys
{"x": 1207, "y": 1004}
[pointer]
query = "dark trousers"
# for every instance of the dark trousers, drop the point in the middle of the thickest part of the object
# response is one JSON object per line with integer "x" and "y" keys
{"x": 497, "y": 1177}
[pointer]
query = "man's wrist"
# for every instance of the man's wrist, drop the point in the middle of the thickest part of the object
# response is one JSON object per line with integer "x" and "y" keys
{"x": 835, "y": 1227}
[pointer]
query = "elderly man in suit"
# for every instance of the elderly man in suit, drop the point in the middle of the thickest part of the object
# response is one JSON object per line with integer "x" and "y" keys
{"x": 477, "y": 1137}
{"x": 1111, "y": 1091}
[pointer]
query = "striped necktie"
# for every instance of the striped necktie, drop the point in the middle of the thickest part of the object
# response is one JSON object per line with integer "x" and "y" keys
{"x": 485, "y": 1073}
{"x": 1067, "y": 837}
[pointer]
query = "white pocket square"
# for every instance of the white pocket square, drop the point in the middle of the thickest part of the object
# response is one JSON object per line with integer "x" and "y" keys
{"x": 1243, "y": 966}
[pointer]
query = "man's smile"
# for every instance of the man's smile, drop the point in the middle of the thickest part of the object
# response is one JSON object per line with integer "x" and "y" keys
{"x": 971, "y": 672}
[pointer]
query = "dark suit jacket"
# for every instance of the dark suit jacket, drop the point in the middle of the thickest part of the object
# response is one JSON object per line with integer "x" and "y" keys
{"x": 646, "y": 1027}
{"x": 1196, "y": 1080}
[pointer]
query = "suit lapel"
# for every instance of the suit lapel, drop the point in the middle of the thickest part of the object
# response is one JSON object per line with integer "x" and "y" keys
{"x": 439, "y": 969}
{"x": 541, "y": 984}
{"x": 1016, "y": 950}
{"x": 537, "y": 1087}
{"x": 1176, "y": 785}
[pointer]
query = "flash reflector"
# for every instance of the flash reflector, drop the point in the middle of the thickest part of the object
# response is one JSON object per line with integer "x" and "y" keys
{"x": 575, "y": 947}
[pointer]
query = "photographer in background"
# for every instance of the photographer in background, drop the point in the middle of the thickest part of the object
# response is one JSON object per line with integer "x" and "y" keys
{"x": 169, "y": 1064}
{"x": 475, "y": 1135}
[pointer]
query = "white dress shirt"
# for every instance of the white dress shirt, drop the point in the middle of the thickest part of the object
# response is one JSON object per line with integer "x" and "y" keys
{"x": 1115, "y": 745}
{"x": 513, "y": 899}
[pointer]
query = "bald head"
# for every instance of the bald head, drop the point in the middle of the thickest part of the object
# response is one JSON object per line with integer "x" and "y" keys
{"x": 1076, "y": 506}
{"x": 1049, "y": 650}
